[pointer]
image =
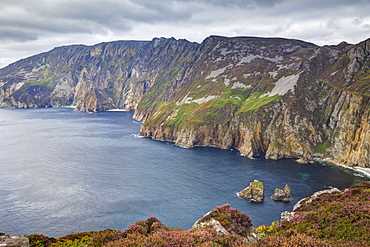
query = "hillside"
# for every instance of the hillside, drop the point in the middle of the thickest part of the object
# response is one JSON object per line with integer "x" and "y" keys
{"x": 275, "y": 97}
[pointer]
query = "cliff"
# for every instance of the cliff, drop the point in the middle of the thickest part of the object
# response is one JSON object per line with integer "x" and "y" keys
{"x": 93, "y": 78}
{"x": 279, "y": 98}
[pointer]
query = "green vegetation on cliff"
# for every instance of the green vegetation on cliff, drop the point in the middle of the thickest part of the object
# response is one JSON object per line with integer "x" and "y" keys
{"x": 254, "y": 104}
{"x": 271, "y": 97}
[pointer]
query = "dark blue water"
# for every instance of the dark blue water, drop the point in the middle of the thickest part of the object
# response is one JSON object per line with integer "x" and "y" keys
{"x": 62, "y": 172}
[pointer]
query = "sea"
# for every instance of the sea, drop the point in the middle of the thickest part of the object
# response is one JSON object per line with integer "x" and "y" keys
{"x": 63, "y": 171}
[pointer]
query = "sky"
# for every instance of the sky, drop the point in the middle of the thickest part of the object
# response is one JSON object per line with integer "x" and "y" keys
{"x": 29, "y": 27}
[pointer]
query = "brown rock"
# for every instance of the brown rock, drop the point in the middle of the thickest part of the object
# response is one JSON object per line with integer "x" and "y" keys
{"x": 255, "y": 191}
{"x": 282, "y": 195}
{"x": 13, "y": 241}
{"x": 229, "y": 221}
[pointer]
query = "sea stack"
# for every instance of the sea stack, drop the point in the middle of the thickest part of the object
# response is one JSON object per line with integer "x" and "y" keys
{"x": 254, "y": 192}
{"x": 282, "y": 195}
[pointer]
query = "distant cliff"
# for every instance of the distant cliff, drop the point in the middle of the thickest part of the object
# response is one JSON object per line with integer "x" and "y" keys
{"x": 276, "y": 97}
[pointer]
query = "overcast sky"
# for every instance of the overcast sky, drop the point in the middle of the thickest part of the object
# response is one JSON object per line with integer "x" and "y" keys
{"x": 28, "y": 27}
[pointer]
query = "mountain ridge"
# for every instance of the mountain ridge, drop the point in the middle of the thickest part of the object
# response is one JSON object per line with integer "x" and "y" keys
{"x": 276, "y": 97}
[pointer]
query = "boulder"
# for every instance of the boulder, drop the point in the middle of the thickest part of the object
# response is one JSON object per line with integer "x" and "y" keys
{"x": 286, "y": 215}
{"x": 254, "y": 192}
{"x": 13, "y": 241}
{"x": 282, "y": 195}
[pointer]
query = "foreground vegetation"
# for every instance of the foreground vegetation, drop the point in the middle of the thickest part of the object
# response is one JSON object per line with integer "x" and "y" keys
{"x": 331, "y": 219}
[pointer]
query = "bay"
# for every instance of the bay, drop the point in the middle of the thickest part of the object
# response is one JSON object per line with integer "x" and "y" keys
{"x": 63, "y": 171}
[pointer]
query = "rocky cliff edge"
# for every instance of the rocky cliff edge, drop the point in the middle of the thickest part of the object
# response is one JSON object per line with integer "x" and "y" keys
{"x": 271, "y": 97}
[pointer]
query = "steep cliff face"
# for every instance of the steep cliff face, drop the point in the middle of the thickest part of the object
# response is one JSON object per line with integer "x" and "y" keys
{"x": 275, "y": 97}
{"x": 93, "y": 78}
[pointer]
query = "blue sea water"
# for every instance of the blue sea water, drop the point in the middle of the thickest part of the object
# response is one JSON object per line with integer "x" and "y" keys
{"x": 63, "y": 171}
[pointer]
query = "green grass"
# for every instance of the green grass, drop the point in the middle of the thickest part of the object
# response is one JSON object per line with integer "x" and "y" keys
{"x": 256, "y": 103}
{"x": 321, "y": 147}
{"x": 257, "y": 184}
{"x": 215, "y": 111}
{"x": 48, "y": 82}
{"x": 175, "y": 71}
{"x": 184, "y": 114}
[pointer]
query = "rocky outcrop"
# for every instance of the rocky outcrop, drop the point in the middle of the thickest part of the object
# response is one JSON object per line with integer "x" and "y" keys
{"x": 254, "y": 192}
{"x": 13, "y": 241}
{"x": 271, "y": 97}
{"x": 282, "y": 194}
{"x": 286, "y": 215}
{"x": 308, "y": 200}
{"x": 229, "y": 221}
{"x": 213, "y": 224}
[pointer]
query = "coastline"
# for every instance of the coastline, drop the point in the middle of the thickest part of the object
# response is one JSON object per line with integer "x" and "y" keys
{"x": 364, "y": 171}
{"x": 117, "y": 109}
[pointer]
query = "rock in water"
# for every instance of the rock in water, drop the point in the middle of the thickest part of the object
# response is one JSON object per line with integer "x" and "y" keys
{"x": 13, "y": 241}
{"x": 229, "y": 221}
{"x": 255, "y": 191}
{"x": 282, "y": 195}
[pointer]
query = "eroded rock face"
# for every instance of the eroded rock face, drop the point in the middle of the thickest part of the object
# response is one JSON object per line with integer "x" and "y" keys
{"x": 13, "y": 241}
{"x": 320, "y": 110}
{"x": 282, "y": 195}
{"x": 271, "y": 97}
{"x": 229, "y": 221}
{"x": 254, "y": 192}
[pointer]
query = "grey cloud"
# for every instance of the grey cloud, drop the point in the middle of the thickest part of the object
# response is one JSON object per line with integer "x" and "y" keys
{"x": 99, "y": 17}
{"x": 94, "y": 16}
{"x": 87, "y": 21}
{"x": 357, "y": 21}
{"x": 111, "y": 12}
{"x": 247, "y": 4}
{"x": 16, "y": 35}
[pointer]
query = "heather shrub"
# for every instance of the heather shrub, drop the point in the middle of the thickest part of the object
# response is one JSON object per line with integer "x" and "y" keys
{"x": 178, "y": 237}
{"x": 150, "y": 232}
{"x": 93, "y": 238}
{"x": 338, "y": 219}
{"x": 231, "y": 219}
{"x": 40, "y": 240}
{"x": 334, "y": 219}
{"x": 295, "y": 239}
